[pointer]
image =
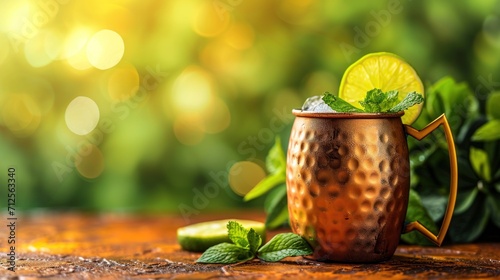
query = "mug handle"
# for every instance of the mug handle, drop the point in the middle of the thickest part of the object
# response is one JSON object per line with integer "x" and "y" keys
{"x": 419, "y": 135}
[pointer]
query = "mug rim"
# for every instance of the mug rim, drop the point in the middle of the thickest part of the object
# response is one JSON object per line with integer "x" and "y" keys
{"x": 343, "y": 115}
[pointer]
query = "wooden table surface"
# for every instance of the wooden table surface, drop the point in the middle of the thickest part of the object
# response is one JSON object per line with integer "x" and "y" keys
{"x": 112, "y": 246}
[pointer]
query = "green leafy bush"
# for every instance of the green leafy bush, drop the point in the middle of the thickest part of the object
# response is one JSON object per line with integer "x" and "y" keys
{"x": 477, "y": 139}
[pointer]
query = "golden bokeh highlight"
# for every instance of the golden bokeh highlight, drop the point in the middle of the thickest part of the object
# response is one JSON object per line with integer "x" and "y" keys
{"x": 53, "y": 44}
{"x": 192, "y": 91}
{"x": 82, "y": 115}
{"x": 216, "y": 117}
{"x": 187, "y": 129}
{"x": 14, "y": 16}
{"x": 245, "y": 175}
{"x": 74, "y": 49}
{"x": 190, "y": 127}
{"x": 210, "y": 20}
{"x": 21, "y": 114}
{"x": 197, "y": 109}
{"x": 75, "y": 42}
{"x": 105, "y": 49}
{"x": 43, "y": 48}
{"x": 240, "y": 36}
{"x": 79, "y": 61}
{"x": 220, "y": 57}
{"x": 91, "y": 164}
{"x": 123, "y": 83}
{"x": 35, "y": 50}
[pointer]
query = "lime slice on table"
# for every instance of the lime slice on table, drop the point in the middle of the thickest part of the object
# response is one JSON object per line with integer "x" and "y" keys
{"x": 385, "y": 71}
{"x": 201, "y": 236}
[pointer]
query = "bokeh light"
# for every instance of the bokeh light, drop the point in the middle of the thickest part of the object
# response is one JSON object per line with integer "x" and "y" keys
{"x": 211, "y": 18}
{"x": 14, "y": 16}
{"x": 21, "y": 114}
{"x": 105, "y": 49}
{"x": 82, "y": 115}
{"x": 240, "y": 36}
{"x": 74, "y": 48}
{"x": 192, "y": 90}
{"x": 199, "y": 111}
{"x": 35, "y": 50}
{"x": 224, "y": 59}
{"x": 188, "y": 130}
{"x": 216, "y": 117}
{"x": 53, "y": 43}
{"x": 244, "y": 175}
{"x": 91, "y": 163}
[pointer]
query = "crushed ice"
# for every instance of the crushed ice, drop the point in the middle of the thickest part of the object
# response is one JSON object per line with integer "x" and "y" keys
{"x": 316, "y": 104}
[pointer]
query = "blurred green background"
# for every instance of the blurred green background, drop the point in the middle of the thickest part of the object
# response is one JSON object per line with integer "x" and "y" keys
{"x": 172, "y": 105}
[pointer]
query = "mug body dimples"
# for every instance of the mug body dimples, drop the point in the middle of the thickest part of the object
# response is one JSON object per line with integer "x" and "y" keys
{"x": 348, "y": 180}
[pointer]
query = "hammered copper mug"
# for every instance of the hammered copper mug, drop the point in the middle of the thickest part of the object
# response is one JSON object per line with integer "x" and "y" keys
{"x": 348, "y": 182}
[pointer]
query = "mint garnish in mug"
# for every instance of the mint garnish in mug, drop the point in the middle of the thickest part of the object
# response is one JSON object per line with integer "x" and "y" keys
{"x": 376, "y": 101}
{"x": 246, "y": 243}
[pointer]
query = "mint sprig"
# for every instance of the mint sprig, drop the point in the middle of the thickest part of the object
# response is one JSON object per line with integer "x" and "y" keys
{"x": 340, "y": 105}
{"x": 284, "y": 245}
{"x": 411, "y": 99}
{"x": 225, "y": 253}
{"x": 376, "y": 101}
{"x": 246, "y": 245}
{"x": 238, "y": 234}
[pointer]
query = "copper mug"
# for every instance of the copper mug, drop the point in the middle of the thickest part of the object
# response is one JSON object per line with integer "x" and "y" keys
{"x": 348, "y": 183}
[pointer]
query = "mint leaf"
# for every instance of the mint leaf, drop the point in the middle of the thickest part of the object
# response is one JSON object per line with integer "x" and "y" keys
{"x": 275, "y": 160}
{"x": 225, "y": 253}
{"x": 284, "y": 245}
{"x": 390, "y": 100}
{"x": 254, "y": 240}
{"x": 339, "y": 105}
{"x": 265, "y": 185}
{"x": 377, "y": 101}
{"x": 238, "y": 234}
{"x": 410, "y": 99}
{"x": 276, "y": 207}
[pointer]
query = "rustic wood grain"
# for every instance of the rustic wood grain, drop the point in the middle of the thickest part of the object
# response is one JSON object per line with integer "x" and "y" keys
{"x": 112, "y": 246}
